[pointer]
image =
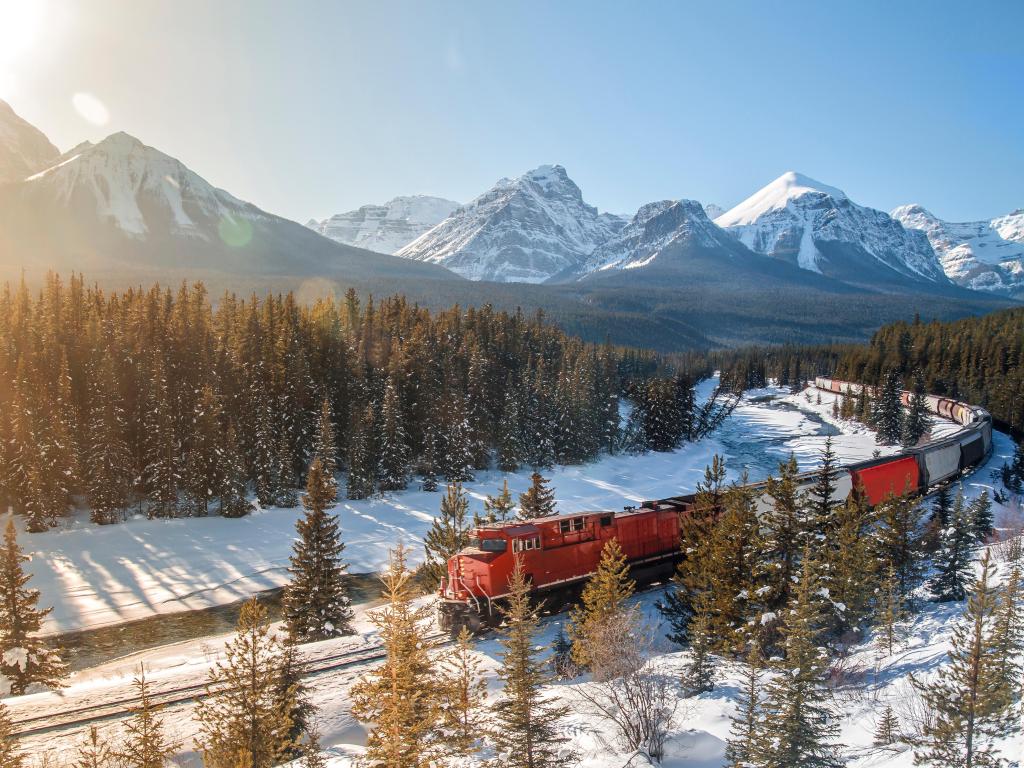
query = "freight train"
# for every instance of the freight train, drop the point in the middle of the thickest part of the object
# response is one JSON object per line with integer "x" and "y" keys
{"x": 559, "y": 553}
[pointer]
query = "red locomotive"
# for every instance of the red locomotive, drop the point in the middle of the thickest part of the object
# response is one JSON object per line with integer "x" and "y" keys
{"x": 560, "y": 553}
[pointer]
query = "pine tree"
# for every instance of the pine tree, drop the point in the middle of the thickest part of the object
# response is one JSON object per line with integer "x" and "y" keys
{"x": 400, "y": 697}
{"x": 290, "y": 686}
{"x": 744, "y": 746}
{"x": 448, "y": 534}
{"x": 953, "y": 560}
{"x": 603, "y": 598}
{"x": 887, "y": 732}
{"x": 851, "y": 569}
{"x": 284, "y": 462}
{"x": 538, "y": 501}
{"x": 161, "y": 474}
{"x": 797, "y": 714}
{"x": 961, "y": 699}
{"x": 699, "y": 672}
{"x": 24, "y": 657}
{"x": 244, "y": 709}
{"x": 890, "y": 610}
{"x": 109, "y": 459}
{"x": 527, "y": 735}
{"x": 234, "y": 501}
{"x": 94, "y": 752}
{"x": 393, "y": 469}
{"x": 313, "y": 757}
{"x": 499, "y": 508}
{"x": 888, "y": 411}
{"x": 562, "y": 666}
{"x": 464, "y": 719}
{"x": 316, "y": 601}
{"x": 821, "y": 499}
{"x": 361, "y": 466}
{"x": 917, "y": 421}
{"x": 982, "y": 522}
{"x": 202, "y": 462}
{"x": 938, "y": 520}
{"x": 1008, "y": 645}
{"x": 898, "y": 539}
{"x": 145, "y": 745}
{"x": 10, "y": 755}
{"x": 325, "y": 447}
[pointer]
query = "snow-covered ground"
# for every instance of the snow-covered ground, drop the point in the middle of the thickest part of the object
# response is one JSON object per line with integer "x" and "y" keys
{"x": 98, "y": 576}
{"x": 702, "y": 724}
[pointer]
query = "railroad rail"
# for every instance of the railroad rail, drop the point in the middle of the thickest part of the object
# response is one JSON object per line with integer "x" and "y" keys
{"x": 118, "y": 708}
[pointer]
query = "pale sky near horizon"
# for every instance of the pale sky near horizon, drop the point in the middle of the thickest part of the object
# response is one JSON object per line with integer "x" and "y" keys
{"x": 311, "y": 108}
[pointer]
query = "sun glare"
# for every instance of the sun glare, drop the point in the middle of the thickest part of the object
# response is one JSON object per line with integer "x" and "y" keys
{"x": 21, "y": 22}
{"x": 90, "y": 108}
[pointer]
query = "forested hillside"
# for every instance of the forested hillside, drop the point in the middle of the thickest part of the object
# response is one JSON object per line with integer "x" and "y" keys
{"x": 161, "y": 400}
{"x": 976, "y": 359}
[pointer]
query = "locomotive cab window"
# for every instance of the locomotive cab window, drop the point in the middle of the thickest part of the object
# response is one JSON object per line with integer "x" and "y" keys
{"x": 488, "y": 545}
{"x": 522, "y": 545}
{"x": 606, "y": 521}
{"x": 572, "y": 524}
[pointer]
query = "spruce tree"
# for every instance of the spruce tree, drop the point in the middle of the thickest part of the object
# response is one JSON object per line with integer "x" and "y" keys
{"x": 964, "y": 699}
{"x": 938, "y": 520}
{"x": 603, "y": 598}
{"x": 499, "y": 508}
{"x": 528, "y": 732}
{"x": 821, "y": 499}
{"x": 888, "y": 411}
{"x": 797, "y": 712}
{"x": 538, "y": 501}
{"x": 393, "y": 470}
{"x": 145, "y": 744}
{"x": 10, "y": 755}
{"x": 313, "y": 757}
{"x": 562, "y": 666}
{"x": 464, "y": 716}
{"x": 161, "y": 473}
{"x": 887, "y": 731}
{"x": 448, "y": 534}
{"x": 898, "y": 539}
{"x": 234, "y": 501}
{"x": 852, "y": 570}
{"x": 202, "y": 463}
{"x": 290, "y": 686}
{"x": 1008, "y": 645}
{"x": 917, "y": 421}
{"x": 316, "y": 601}
{"x": 745, "y": 744}
{"x": 24, "y": 657}
{"x": 400, "y": 697}
{"x": 954, "y": 558}
{"x": 325, "y": 447}
{"x": 361, "y": 465}
{"x": 699, "y": 672}
{"x": 244, "y": 710}
{"x": 982, "y": 522}
{"x": 109, "y": 459}
{"x": 284, "y": 462}
{"x": 94, "y": 752}
{"x": 889, "y": 610}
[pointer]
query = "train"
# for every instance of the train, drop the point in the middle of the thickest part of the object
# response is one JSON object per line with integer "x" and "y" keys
{"x": 560, "y": 553}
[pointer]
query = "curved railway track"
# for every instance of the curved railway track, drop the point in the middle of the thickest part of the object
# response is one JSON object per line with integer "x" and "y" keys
{"x": 121, "y": 707}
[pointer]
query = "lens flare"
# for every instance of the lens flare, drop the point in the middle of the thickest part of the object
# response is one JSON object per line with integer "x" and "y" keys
{"x": 90, "y": 108}
{"x": 234, "y": 230}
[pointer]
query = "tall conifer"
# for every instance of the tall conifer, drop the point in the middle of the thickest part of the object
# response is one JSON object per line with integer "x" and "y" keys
{"x": 539, "y": 499}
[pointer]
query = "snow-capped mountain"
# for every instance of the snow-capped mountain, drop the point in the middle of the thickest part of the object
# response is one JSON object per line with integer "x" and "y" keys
{"x": 521, "y": 230}
{"x": 386, "y": 228}
{"x": 818, "y": 228}
{"x": 24, "y": 149}
{"x": 713, "y": 211}
{"x": 658, "y": 232}
{"x": 120, "y": 206}
{"x": 983, "y": 255}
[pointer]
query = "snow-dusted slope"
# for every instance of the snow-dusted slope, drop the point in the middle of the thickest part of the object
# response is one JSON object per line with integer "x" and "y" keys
{"x": 389, "y": 227}
{"x": 23, "y": 147}
{"x": 983, "y": 255}
{"x": 121, "y": 209}
{"x": 819, "y": 228}
{"x": 521, "y": 230}
{"x": 656, "y": 228}
{"x": 137, "y": 188}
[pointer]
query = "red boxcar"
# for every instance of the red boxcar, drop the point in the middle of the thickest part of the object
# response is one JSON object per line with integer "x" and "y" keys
{"x": 558, "y": 554}
{"x": 878, "y": 478}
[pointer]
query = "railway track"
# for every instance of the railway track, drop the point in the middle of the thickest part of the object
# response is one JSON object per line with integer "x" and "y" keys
{"x": 118, "y": 708}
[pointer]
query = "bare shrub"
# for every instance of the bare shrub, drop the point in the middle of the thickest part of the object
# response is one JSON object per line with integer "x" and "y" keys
{"x": 627, "y": 690}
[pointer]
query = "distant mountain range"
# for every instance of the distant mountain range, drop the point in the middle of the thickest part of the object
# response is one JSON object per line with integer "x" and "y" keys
{"x": 796, "y": 262}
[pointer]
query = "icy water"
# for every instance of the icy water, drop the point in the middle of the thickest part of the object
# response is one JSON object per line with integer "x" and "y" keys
{"x": 89, "y": 648}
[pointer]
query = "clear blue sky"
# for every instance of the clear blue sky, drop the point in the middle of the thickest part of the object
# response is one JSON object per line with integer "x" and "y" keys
{"x": 312, "y": 108}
